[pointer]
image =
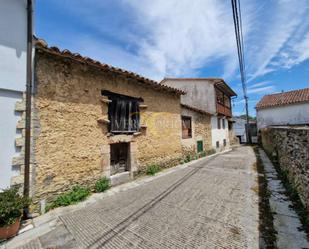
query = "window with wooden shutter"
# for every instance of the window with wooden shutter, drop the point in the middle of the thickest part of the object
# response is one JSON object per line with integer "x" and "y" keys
{"x": 123, "y": 113}
{"x": 186, "y": 127}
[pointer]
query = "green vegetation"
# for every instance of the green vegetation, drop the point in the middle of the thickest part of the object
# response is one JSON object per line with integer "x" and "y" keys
{"x": 211, "y": 151}
{"x": 11, "y": 206}
{"x": 102, "y": 185}
{"x": 153, "y": 169}
{"x": 77, "y": 194}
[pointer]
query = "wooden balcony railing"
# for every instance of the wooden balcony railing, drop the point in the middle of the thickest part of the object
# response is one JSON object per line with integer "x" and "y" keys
{"x": 221, "y": 109}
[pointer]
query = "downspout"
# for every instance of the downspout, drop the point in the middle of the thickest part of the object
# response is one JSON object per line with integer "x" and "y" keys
{"x": 28, "y": 100}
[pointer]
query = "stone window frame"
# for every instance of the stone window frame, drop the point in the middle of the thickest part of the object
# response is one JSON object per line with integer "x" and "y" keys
{"x": 183, "y": 128}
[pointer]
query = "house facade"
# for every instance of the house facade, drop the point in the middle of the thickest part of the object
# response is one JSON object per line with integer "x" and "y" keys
{"x": 92, "y": 120}
{"x": 13, "y": 67}
{"x": 212, "y": 96}
{"x": 287, "y": 108}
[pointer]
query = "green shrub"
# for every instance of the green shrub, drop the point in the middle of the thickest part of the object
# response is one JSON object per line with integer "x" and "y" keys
{"x": 203, "y": 154}
{"x": 153, "y": 169}
{"x": 77, "y": 194}
{"x": 11, "y": 206}
{"x": 102, "y": 185}
{"x": 188, "y": 158}
{"x": 210, "y": 152}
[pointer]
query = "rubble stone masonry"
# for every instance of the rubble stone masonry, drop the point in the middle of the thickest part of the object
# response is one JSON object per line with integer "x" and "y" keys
{"x": 72, "y": 139}
{"x": 291, "y": 146}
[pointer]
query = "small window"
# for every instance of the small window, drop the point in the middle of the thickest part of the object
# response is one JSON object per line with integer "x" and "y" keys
{"x": 217, "y": 144}
{"x": 223, "y": 123}
{"x": 186, "y": 127}
{"x": 219, "y": 123}
{"x": 224, "y": 142}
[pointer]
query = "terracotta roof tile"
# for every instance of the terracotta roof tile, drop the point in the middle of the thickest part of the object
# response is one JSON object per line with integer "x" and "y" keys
{"x": 43, "y": 46}
{"x": 285, "y": 98}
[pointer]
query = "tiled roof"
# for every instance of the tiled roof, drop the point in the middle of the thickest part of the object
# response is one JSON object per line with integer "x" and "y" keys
{"x": 285, "y": 98}
{"x": 43, "y": 46}
{"x": 195, "y": 109}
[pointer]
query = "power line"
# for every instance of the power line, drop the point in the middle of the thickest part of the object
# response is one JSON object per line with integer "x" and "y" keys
{"x": 241, "y": 57}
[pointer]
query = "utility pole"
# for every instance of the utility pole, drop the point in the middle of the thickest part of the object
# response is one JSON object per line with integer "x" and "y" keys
{"x": 241, "y": 58}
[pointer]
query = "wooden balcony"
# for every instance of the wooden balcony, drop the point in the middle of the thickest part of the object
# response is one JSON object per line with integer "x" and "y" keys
{"x": 223, "y": 110}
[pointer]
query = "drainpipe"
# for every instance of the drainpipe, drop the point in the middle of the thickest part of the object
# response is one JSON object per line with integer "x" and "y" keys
{"x": 28, "y": 99}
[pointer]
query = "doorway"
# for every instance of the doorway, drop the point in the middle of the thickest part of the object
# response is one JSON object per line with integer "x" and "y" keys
{"x": 119, "y": 158}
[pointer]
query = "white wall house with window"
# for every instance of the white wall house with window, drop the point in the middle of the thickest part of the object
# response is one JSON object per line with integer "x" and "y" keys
{"x": 13, "y": 47}
{"x": 211, "y": 96}
{"x": 219, "y": 132}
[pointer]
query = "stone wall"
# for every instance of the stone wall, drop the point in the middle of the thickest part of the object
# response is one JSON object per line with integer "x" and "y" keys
{"x": 290, "y": 145}
{"x": 201, "y": 130}
{"x": 72, "y": 146}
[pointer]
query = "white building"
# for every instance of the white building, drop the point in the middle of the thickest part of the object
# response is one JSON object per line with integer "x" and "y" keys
{"x": 211, "y": 95}
{"x": 287, "y": 108}
{"x": 240, "y": 129}
{"x": 13, "y": 68}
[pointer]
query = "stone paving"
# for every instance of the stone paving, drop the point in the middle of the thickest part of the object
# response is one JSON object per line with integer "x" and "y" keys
{"x": 209, "y": 204}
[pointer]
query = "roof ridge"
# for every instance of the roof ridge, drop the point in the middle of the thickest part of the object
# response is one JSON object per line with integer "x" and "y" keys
{"x": 43, "y": 45}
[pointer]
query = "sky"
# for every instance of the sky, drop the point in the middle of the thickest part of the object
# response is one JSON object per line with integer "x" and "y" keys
{"x": 187, "y": 38}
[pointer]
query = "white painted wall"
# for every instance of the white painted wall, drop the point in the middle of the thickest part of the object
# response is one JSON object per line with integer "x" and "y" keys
{"x": 239, "y": 128}
{"x": 200, "y": 93}
{"x": 8, "y": 134}
{"x": 13, "y": 44}
{"x": 219, "y": 134}
{"x": 283, "y": 115}
{"x": 13, "y": 47}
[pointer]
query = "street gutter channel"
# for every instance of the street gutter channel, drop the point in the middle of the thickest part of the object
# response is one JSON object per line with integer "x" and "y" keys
{"x": 266, "y": 219}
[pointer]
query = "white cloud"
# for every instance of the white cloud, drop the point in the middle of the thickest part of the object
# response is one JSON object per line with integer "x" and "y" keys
{"x": 279, "y": 29}
{"x": 183, "y": 36}
{"x": 264, "y": 90}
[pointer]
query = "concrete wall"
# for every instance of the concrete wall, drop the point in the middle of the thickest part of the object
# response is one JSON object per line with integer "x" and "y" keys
{"x": 290, "y": 146}
{"x": 201, "y": 130}
{"x": 219, "y": 134}
{"x": 72, "y": 145}
{"x": 200, "y": 93}
{"x": 13, "y": 44}
{"x": 283, "y": 115}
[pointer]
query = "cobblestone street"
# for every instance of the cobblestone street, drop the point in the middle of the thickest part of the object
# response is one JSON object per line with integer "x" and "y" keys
{"x": 209, "y": 204}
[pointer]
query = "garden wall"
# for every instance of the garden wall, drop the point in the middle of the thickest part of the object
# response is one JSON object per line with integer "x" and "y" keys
{"x": 291, "y": 146}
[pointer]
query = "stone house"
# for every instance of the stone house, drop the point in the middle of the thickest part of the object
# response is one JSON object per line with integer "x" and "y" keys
{"x": 91, "y": 120}
{"x": 286, "y": 108}
{"x": 209, "y": 98}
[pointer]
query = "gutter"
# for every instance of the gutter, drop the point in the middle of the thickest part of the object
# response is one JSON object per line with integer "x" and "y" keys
{"x": 28, "y": 99}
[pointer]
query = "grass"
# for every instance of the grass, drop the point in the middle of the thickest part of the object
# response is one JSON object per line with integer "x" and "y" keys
{"x": 77, "y": 194}
{"x": 153, "y": 169}
{"x": 266, "y": 220}
{"x": 102, "y": 185}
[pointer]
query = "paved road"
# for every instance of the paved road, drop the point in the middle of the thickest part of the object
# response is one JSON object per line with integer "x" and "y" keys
{"x": 209, "y": 204}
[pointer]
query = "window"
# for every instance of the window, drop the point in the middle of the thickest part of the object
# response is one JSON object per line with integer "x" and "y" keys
{"x": 224, "y": 142}
{"x": 220, "y": 98}
{"x": 219, "y": 123}
{"x": 186, "y": 127}
{"x": 217, "y": 144}
{"x": 123, "y": 113}
{"x": 223, "y": 123}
